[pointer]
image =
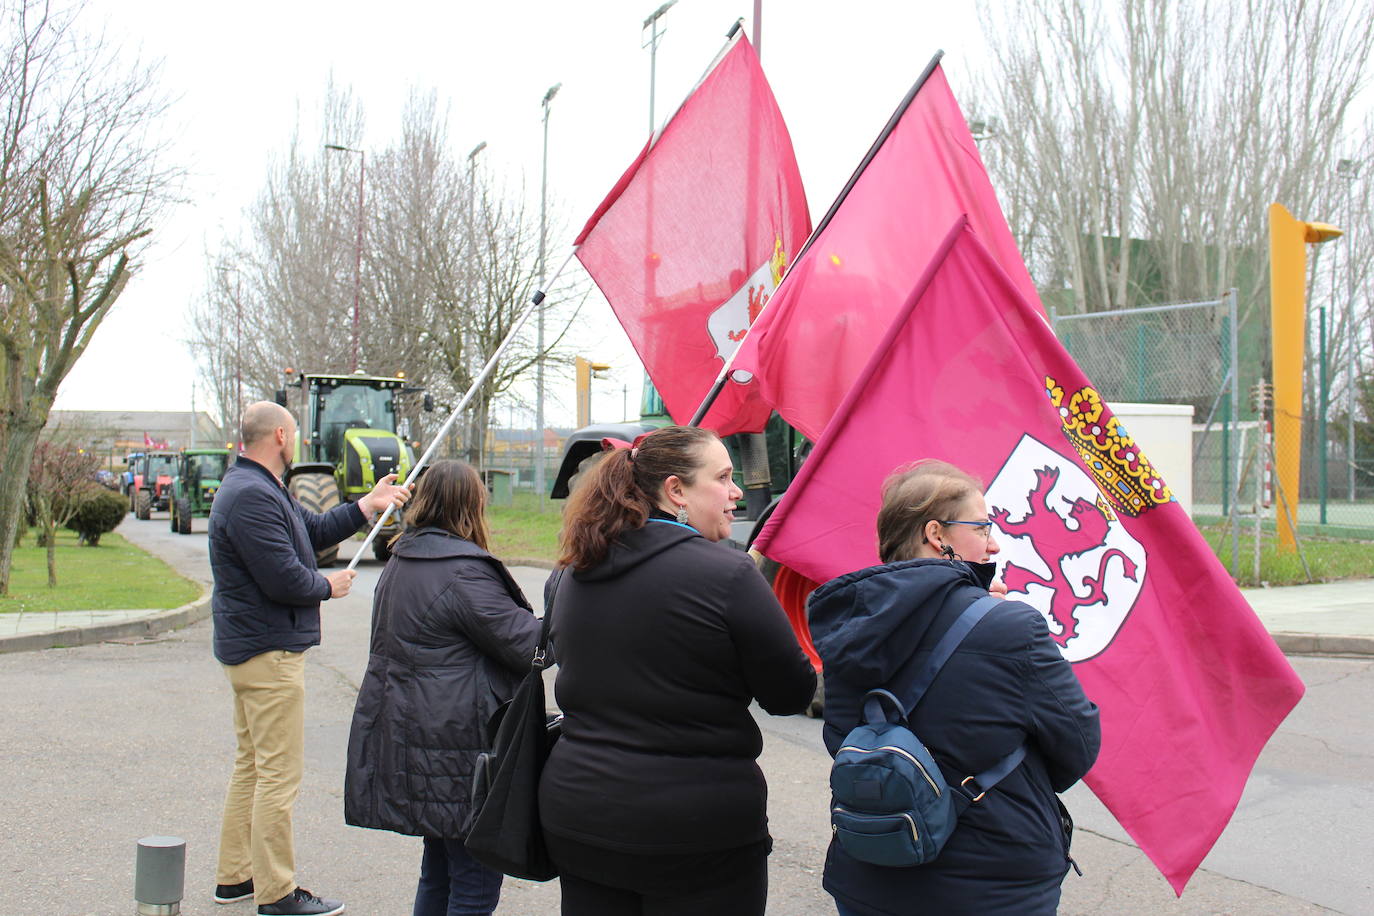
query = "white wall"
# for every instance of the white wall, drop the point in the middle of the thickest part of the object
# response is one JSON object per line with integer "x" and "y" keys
{"x": 1164, "y": 433}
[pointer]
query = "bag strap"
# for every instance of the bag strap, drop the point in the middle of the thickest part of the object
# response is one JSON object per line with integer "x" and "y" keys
{"x": 945, "y": 648}
{"x": 540, "y": 651}
{"x": 986, "y": 780}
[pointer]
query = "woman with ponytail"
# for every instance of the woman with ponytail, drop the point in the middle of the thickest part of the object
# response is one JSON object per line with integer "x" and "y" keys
{"x": 652, "y": 801}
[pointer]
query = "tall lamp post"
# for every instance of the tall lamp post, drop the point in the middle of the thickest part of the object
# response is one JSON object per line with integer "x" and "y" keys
{"x": 539, "y": 334}
{"x": 1349, "y": 170}
{"x": 358, "y": 245}
{"x": 238, "y": 347}
{"x": 472, "y": 251}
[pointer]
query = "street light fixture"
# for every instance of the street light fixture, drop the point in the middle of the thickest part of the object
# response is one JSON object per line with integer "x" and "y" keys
{"x": 358, "y": 245}
{"x": 539, "y": 336}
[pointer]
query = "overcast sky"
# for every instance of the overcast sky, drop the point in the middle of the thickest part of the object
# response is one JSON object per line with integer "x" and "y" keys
{"x": 245, "y": 74}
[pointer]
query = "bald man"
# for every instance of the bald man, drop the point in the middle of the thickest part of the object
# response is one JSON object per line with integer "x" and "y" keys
{"x": 266, "y": 607}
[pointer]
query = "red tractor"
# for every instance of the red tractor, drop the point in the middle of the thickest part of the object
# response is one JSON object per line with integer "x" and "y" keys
{"x": 153, "y": 473}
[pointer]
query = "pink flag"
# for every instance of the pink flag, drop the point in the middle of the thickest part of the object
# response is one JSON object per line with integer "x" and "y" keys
{"x": 1189, "y": 683}
{"x": 840, "y": 297}
{"x": 696, "y": 235}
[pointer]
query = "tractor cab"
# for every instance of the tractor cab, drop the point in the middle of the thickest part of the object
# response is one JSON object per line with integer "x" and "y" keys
{"x": 198, "y": 476}
{"x": 153, "y": 472}
{"x": 351, "y": 434}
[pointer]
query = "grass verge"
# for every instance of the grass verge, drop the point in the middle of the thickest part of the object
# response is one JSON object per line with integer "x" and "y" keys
{"x": 1328, "y": 558}
{"x": 116, "y": 575}
{"x": 521, "y": 532}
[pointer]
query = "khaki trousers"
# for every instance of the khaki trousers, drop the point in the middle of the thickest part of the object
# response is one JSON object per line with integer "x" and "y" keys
{"x": 269, "y": 718}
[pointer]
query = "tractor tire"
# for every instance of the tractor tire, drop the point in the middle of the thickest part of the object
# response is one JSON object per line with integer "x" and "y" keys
{"x": 318, "y": 493}
{"x": 172, "y": 517}
{"x": 583, "y": 468}
{"x": 381, "y": 547}
{"x": 143, "y": 505}
{"x": 181, "y": 515}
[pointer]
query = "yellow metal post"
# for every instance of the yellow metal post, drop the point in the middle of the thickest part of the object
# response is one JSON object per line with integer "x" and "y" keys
{"x": 1288, "y": 240}
{"x": 586, "y": 371}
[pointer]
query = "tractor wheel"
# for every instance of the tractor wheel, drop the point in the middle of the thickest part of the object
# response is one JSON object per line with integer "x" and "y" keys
{"x": 181, "y": 514}
{"x": 583, "y": 468}
{"x": 380, "y": 548}
{"x": 172, "y": 517}
{"x": 143, "y": 505}
{"x": 318, "y": 493}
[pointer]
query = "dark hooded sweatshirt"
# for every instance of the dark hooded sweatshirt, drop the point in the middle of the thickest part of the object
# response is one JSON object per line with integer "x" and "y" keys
{"x": 661, "y": 648}
{"x": 1006, "y": 684}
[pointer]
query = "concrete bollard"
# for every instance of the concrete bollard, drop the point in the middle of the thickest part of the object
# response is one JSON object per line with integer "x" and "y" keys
{"x": 159, "y": 875}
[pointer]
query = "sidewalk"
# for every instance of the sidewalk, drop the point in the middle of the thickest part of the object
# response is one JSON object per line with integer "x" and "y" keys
{"x": 1332, "y": 618}
{"x": 26, "y": 632}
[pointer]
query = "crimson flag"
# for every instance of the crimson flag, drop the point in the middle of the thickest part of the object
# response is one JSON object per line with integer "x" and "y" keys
{"x": 696, "y": 235}
{"x": 841, "y": 295}
{"x": 1189, "y": 683}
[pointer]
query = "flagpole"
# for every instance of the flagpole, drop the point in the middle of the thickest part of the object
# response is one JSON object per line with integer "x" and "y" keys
{"x": 719, "y": 384}
{"x": 535, "y": 302}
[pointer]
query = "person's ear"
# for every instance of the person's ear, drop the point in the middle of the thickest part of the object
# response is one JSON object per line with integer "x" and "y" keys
{"x": 931, "y": 532}
{"x": 672, "y": 488}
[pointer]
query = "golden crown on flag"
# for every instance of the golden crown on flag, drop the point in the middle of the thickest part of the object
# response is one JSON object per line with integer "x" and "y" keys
{"x": 1121, "y": 472}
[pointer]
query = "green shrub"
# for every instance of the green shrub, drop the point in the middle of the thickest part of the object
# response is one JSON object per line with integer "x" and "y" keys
{"x": 102, "y": 512}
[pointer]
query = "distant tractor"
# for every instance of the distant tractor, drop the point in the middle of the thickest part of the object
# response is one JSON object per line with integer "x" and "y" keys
{"x": 129, "y": 479}
{"x": 198, "y": 475}
{"x": 152, "y": 482}
{"x": 348, "y": 439}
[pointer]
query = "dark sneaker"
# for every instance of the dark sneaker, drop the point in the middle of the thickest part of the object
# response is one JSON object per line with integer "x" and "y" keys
{"x": 301, "y": 902}
{"x": 233, "y": 893}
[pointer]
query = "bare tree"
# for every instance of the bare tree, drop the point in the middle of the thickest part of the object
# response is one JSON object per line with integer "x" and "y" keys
{"x": 81, "y": 184}
{"x": 447, "y": 264}
{"x": 61, "y": 477}
{"x": 1143, "y": 140}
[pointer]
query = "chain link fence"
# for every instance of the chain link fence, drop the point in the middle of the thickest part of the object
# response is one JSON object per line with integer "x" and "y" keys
{"x": 1194, "y": 353}
{"x": 1180, "y": 353}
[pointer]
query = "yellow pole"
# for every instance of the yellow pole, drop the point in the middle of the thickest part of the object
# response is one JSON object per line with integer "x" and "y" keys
{"x": 1288, "y": 240}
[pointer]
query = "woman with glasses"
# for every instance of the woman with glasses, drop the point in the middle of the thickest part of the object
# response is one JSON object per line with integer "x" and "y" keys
{"x": 1006, "y": 686}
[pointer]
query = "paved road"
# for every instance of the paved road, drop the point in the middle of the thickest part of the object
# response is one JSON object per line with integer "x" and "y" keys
{"x": 103, "y": 744}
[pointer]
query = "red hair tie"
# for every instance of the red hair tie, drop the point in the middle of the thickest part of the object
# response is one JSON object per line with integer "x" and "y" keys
{"x": 609, "y": 444}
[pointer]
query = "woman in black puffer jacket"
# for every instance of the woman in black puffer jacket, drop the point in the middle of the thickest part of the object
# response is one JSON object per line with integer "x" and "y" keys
{"x": 452, "y": 635}
{"x": 1006, "y": 685}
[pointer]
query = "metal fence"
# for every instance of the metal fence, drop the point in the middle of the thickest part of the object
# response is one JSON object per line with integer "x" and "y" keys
{"x": 1181, "y": 353}
{"x": 1194, "y": 353}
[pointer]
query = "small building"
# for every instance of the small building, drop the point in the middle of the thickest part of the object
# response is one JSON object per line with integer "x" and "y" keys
{"x": 116, "y": 433}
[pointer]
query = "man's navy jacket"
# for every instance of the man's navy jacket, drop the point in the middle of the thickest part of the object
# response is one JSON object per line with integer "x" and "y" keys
{"x": 262, "y": 554}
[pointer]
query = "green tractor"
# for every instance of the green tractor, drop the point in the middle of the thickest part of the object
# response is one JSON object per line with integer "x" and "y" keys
{"x": 152, "y": 488}
{"x": 348, "y": 438}
{"x": 198, "y": 475}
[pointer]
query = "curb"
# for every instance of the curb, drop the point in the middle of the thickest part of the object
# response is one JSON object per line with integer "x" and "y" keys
{"x": 527, "y": 561}
{"x": 1319, "y": 644}
{"x": 156, "y": 622}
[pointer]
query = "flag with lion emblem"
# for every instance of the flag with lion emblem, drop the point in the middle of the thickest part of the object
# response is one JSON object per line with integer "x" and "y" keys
{"x": 1189, "y": 683}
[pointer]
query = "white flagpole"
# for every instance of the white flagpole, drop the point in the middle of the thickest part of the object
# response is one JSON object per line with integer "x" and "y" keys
{"x": 487, "y": 370}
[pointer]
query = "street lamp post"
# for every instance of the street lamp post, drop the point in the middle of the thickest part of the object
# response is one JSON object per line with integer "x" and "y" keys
{"x": 539, "y": 334}
{"x": 1349, "y": 170}
{"x": 238, "y": 345}
{"x": 472, "y": 252}
{"x": 358, "y": 244}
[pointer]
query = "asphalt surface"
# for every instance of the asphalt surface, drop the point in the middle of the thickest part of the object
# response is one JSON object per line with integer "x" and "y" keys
{"x": 103, "y": 744}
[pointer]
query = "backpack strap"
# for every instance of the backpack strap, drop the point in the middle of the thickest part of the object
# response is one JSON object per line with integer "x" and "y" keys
{"x": 946, "y": 646}
{"x": 986, "y": 780}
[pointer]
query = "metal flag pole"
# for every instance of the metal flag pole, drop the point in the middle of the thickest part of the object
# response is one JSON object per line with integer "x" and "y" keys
{"x": 887, "y": 130}
{"x": 535, "y": 301}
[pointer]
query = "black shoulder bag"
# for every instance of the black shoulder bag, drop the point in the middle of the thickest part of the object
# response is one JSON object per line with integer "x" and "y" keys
{"x": 503, "y": 830}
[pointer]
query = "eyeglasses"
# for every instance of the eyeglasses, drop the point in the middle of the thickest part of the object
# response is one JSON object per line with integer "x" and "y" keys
{"x": 983, "y": 528}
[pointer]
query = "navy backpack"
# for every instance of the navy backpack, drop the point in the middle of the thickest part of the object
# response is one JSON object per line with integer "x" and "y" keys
{"x": 891, "y": 804}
